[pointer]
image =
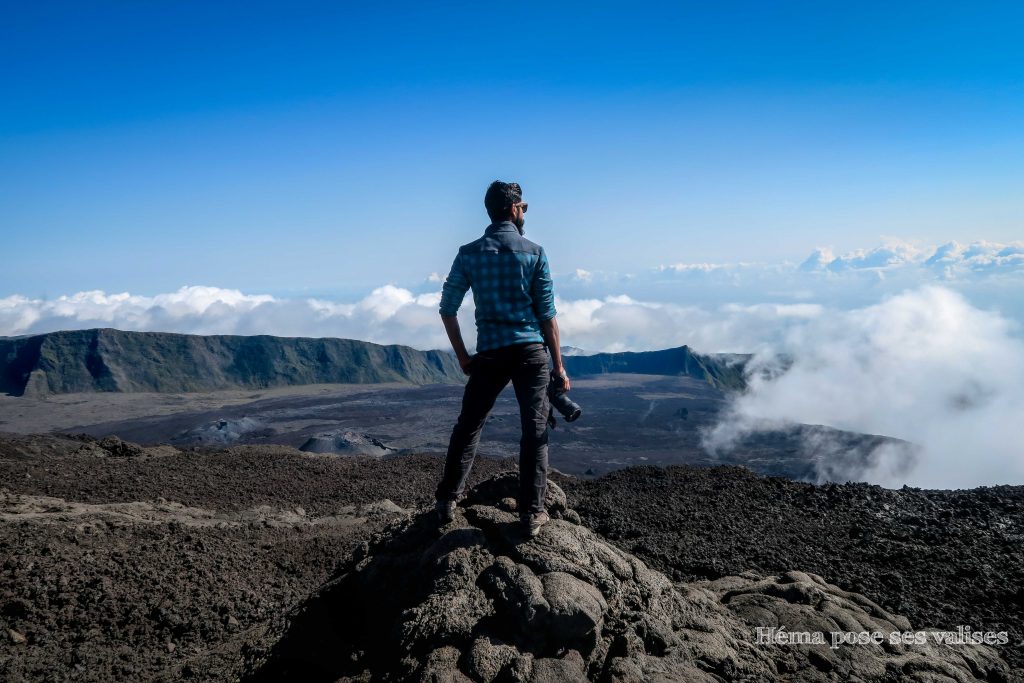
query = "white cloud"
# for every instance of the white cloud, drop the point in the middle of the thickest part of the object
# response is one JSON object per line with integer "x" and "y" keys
{"x": 893, "y": 253}
{"x": 621, "y": 323}
{"x": 925, "y": 366}
{"x": 988, "y": 273}
{"x": 199, "y": 309}
{"x": 818, "y": 260}
{"x": 949, "y": 261}
{"x": 391, "y": 314}
{"x": 701, "y": 267}
{"x": 388, "y": 314}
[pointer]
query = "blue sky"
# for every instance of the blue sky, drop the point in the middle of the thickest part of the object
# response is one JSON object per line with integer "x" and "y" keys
{"x": 329, "y": 148}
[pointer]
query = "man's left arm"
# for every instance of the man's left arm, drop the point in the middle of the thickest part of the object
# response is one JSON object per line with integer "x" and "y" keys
{"x": 552, "y": 338}
{"x": 543, "y": 293}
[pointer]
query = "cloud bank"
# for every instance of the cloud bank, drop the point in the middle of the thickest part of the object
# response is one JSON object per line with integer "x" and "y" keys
{"x": 950, "y": 261}
{"x": 394, "y": 315}
{"x": 734, "y": 307}
{"x": 387, "y": 315}
{"x": 924, "y": 366}
{"x": 989, "y": 273}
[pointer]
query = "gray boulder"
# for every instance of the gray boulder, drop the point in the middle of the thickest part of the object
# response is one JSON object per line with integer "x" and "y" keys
{"x": 569, "y": 669}
{"x": 576, "y": 607}
{"x": 490, "y": 659}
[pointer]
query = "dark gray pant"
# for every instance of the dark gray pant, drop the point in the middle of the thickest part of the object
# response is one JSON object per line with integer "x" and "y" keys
{"x": 526, "y": 365}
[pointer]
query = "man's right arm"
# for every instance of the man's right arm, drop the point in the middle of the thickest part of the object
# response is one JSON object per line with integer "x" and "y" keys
{"x": 452, "y": 294}
{"x": 451, "y": 326}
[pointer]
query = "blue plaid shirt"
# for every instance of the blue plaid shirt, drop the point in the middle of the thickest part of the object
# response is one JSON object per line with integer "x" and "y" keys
{"x": 511, "y": 285}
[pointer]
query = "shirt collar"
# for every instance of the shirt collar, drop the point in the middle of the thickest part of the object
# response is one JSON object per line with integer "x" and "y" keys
{"x": 501, "y": 226}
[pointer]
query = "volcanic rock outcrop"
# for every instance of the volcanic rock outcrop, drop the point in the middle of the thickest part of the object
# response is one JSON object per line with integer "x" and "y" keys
{"x": 477, "y": 600}
{"x": 221, "y": 432}
{"x": 345, "y": 442}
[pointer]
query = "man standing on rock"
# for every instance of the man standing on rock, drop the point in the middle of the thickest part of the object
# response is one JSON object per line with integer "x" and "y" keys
{"x": 515, "y": 319}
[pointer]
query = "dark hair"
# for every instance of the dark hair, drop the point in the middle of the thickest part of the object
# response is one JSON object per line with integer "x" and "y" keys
{"x": 500, "y": 197}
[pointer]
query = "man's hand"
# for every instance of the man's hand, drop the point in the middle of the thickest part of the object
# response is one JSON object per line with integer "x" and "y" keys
{"x": 466, "y": 362}
{"x": 560, "y": 372}
{"x": 549, "y": 328}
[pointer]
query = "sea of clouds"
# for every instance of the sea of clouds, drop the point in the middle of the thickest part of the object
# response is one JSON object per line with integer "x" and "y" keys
{"x": 920, "y": 343}
{"x": 924, "y": 365}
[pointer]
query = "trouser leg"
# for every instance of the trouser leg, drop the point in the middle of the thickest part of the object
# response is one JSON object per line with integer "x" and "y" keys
{"x": 486, "y": 381}
{"x": 530, "y": 380}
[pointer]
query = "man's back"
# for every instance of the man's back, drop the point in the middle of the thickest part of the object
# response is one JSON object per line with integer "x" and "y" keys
{"x": 511, "y": 284}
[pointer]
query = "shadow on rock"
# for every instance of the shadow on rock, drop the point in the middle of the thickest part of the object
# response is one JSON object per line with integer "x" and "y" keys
{"x": 477, "y": 600}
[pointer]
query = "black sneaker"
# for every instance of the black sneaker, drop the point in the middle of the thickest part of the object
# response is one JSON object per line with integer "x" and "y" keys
{"x": 445, "y": 511}
{"x": 534, "y": 521}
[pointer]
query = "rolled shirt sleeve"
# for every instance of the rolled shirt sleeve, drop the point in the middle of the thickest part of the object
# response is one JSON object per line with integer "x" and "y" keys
{"x": 542, "y": 290}
{"x": 455, "y": 287}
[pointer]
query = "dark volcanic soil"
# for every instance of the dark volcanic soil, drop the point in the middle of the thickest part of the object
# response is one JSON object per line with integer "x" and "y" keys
{"x": 941, "y": 558}
{"x": 110, "y": 592}
{"x": 163, "y": 564}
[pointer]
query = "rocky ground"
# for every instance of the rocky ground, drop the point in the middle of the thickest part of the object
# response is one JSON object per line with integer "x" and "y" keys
{"x": 118, "y": 563}
{"x": 480, "y": 600}
{"x": 126, "y": 564}
{"x": 942, "y": 558}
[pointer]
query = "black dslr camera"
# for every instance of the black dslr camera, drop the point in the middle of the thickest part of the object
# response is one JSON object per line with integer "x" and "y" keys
{"x": 561, "y": 402}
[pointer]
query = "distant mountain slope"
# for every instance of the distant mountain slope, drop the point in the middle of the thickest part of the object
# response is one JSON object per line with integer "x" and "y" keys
{"x": 112, "y": 360}
{"x": 719, "y": 372}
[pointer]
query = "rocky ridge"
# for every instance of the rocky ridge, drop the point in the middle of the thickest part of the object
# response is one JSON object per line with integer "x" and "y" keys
{"x": 105, "y": 359}
{"x": 477, "y": 600}
{"x": 722, "y": 371}
{"x": 122, "y": 361}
